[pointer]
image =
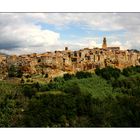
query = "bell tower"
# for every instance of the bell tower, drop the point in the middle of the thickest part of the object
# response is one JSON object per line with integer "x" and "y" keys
{"x": 104, "y": 45}
{"x": 66, "y": 48}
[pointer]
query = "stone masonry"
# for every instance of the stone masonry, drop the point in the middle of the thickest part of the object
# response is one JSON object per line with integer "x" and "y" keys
{"x": 59, "y": 62}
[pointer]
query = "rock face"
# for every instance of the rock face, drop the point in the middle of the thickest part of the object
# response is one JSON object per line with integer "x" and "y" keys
{"x": 3, "y": 67}
{"x": 59, "y": 62}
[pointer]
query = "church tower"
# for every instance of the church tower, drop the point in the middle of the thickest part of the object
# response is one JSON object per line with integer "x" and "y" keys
{"x": 104, "y": 45}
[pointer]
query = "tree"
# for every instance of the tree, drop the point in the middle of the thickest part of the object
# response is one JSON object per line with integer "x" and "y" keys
{"x": 68, "y": 76}
{"x": 108, "y": 73}
{"x": 81, "y": 74}
{"x": 14, "y": 71}
{"x": 46, "y": 75}
{"x": 98, "y": 71}
{"x": 29, "y": 91}
{"x": 72, "y": 88}
{"x": 22, "y": 80}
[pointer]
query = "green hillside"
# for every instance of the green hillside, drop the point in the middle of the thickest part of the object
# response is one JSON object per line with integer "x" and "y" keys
{"x": 109, "y": 98}
{"x": 95, "y": 85}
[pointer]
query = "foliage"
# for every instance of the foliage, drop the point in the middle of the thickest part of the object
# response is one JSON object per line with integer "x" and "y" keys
{"x": 12, "y": 105}
{"x": 82, "y": 111}
{"x": 29, "y": 91}
{"x": 95, "y": 86}
{"x": 68, "y": 76}
{"x": 14, "y": 71}
{"x": 82, "y": 74}
{"x": 125, "y": 112}
{"x": 46, "y": 75}
{"x": 84, "y": 101}
{"x": 54, "y": 111}
{"x": 71, "y": 88}
{"x": 129, "y": 85}
{"x": 131, "y": 70}
{"x": 108, "y": 73}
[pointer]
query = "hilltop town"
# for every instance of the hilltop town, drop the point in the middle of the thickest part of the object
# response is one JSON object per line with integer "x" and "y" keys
{"x": 59, "y": 62}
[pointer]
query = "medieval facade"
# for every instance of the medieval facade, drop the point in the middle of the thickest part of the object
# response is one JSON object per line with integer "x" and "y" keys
{"x": 59, "y": 62}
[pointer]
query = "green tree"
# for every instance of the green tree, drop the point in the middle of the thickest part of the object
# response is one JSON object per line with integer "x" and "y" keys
{"x": 72, "y": 88}
{"x": 82, "y": 74}
{"x": 68, "y": 76}
{"x": 14, "y": 71}
{"x": 29, "y": 91}
{"x": 108, "y": 73}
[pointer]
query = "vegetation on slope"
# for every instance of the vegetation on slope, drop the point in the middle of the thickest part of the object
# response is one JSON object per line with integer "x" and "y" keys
{"x": 12, "y": 104}
{"x": 109, "y": 98}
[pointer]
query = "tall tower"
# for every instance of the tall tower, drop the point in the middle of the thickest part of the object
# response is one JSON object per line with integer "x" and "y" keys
{"x": 104, "y": 45}
{"x": 66, "y": 48}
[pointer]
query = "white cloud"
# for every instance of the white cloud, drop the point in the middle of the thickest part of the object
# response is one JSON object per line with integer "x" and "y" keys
{"x": 101, "y": 21}
{"x": 93, "y": 44}
{"x": 86, "y": 42}
{"x": 21, "y": 33}
{"x": 17, "y": 34}
{"x": 116, "y": 44}
{"x": 127, "y": 22}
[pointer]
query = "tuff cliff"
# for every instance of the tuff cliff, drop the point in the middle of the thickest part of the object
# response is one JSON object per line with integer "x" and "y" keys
{"x": 59, "y": 62}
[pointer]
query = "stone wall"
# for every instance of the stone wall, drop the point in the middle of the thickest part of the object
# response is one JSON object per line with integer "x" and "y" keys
{"x": 59, "y": 62}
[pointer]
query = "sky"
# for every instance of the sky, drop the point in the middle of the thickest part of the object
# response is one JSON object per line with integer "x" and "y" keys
{"x": 24, "y": 33}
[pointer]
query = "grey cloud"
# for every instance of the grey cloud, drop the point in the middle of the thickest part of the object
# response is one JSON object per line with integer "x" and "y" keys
{"x": 8, "y": 46}
{"x": 19, "y": 31}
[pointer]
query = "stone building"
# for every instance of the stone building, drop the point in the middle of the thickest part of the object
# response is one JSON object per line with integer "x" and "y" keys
{"x": 67, "y": 61}
{"x": 104, "y": 45}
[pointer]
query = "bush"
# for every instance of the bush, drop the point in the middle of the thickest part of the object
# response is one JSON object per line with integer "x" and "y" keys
{"x": 29, "y": 91}
{"x": 46, "y": 75}
{"x": 68, "y": 76}
{"x": 129, "y": 85}
{"x": 22, "y": 81}
{"x": 43, "y": 88}
{"x": 98, "y": 71}
{"x": 131, "y": 70}
{"x": 58, "y": 79}
{"x": 108, "y": 73}
{"x": 81, "y": 74}
{"x": 127, "y": 71}
{"x": 36, "y": 85}
{"x": 14, "y": 71}
{"x": 72, "y": 88}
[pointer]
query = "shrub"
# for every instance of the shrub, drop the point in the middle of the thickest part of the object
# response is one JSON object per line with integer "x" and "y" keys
{"x": 43, "y": 88}
{"x": 68, "y": 76}
{"x": 72, "y": 88}
{"x": 81, "y": 74}
{"x": 127, "y": 71}
{"x": 14, "y": 71}
{"x": 22, "y": 80}
{"x": 129, "y": 85}
{"x": 29, "y": 91}
{"x": 131, "y": 70}
{"x": 108, "y": 73}
{"x": 97, "y": 71}
{"x": 58, "y": 79}
{"x": 46, "y": 75}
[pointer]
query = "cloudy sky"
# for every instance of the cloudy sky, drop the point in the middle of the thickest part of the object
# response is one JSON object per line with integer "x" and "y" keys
{"x": 22, "y": 33}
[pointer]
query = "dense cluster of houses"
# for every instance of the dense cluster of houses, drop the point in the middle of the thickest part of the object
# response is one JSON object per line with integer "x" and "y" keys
{"x": 67, "y": 61}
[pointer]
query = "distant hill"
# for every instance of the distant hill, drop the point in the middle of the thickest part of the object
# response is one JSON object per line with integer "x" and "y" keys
{"x": 4, "y": 54}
